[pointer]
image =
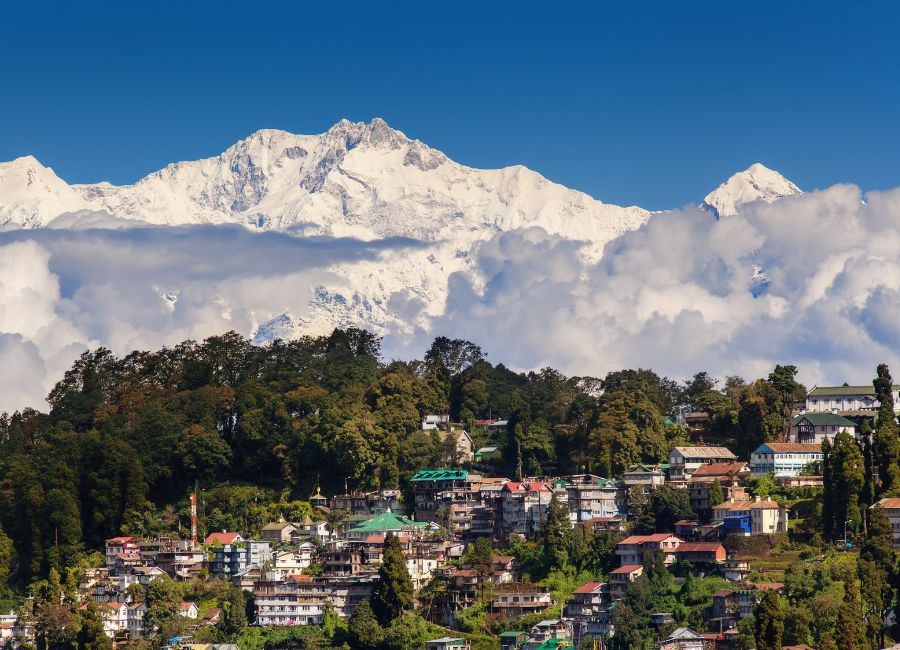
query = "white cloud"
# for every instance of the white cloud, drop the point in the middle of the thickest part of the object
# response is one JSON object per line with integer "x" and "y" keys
{"x": 812, "y": 280}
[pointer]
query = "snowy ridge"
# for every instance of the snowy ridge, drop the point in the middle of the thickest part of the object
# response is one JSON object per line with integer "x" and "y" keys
{"x": 361, "y": 180}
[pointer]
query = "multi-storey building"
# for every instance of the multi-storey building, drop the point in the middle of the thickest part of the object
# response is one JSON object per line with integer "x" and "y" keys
{"x": 515, "y": 600}
{"x": 814, "y": 428}
{"x": 296, "y": 601}
{"x": 729, "y": 476}
{"x": 620, "y": 578}
{"x": 684, "y": 461}
{"x": 588, "y": 610}
{"x": 846, "y": 399}
{"x": 229, "y": 560}
{"x": 119, "y": 547}
{"x": 590, "y": 496}
{"x": 755, "y": 517}
{"x": 634, "y": 550}
{"x": 784, "y": 458}
{"x": 367, "y": 504}
{"x": 524, "y": 506}
{"x": 438, "y": 492}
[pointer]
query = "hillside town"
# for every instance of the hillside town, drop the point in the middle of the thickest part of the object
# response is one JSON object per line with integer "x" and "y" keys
{"x": 464, "y": 524}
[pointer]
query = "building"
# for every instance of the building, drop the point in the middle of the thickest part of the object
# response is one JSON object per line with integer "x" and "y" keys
{"x": 297, "y": 601}
{"x": 684, "y": 461}
{"x": 588, "y": 610}
{"x": 524, "y": 506}
{"x": 729, "y": 476}
{"x": 512, "y": 640}
{"x": 436, "y": 490}
{"x": 646, "y": 477}
{"x": 121, "y": 546}
{"x": 784, "y": 458}
{"x": 515, "y": 600}
{"x": 435, "y": 421}
{"x": 633, "y": 550}
{"x": 279, "y": 532}
{"x": 686, "y": 639}
{"x": 620, "y": 578}
{"x": 755, "y": 517}
{"x": 892, "y": 511}
{"x": 224, "y": 537}
{"x": 589, "y": 497}
{"x": 188, "y": 610}
{"x": 846, "y": 399}
{"x": 701, "y": 553}
{"x": 458, "y": 446}
{"x": 448, "y": 643}
{"x": 389, "y": 522}
{"x": 229, "y": 560}
{"x": 813, "y": 428}
{"x": 549, "y": 634}
{"x": 367, "y": 504}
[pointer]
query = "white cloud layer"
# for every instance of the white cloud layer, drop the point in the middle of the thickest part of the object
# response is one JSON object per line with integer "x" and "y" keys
{"x": 812, "y": 280}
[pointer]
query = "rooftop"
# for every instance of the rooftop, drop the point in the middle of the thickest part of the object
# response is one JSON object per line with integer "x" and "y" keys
{"x": 387, "y": 521}
{"x": 440, "y": 475}
{"x": 589, "y": 588}
{"x": 705, "y": 452}
{"x": 721, "y": 469}
{"x": 845, "y": 391}
{"x": 823, "y": 419}
{"x": 789, "y": 448}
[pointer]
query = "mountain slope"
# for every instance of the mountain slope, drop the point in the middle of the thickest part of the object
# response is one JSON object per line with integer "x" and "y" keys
{"x": 31, "y": 195}
{"x": 756, "y": 183}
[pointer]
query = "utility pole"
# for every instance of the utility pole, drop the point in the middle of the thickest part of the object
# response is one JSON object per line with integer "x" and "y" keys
{"x": 194, "y": 543}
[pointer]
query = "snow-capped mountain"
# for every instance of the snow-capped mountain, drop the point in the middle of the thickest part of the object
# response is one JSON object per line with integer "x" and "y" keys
{"x": 755, "y": 183}
{"x": 361, "y": 180}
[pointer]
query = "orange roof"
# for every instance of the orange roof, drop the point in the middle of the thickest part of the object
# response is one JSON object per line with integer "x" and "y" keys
{"x": 793, "y": 447}
{"x": 698, "y": 547}
{"x": 221, "y": 538}
{"x": 747, "y": 505}
{"x": 589, "y": 588}
{"x": 720, "y": 469}
{"x": 536, "y": 486}
{"x": 889, "y": 503}
{"x": 628, "y": 568}
{"x": 120, "y": 540}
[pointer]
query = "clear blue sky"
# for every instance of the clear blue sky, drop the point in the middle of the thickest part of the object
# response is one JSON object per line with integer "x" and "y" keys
{"x": 650, "y": 103}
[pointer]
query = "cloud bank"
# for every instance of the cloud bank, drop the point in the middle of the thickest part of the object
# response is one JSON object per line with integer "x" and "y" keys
{"x": 812, "y": 280}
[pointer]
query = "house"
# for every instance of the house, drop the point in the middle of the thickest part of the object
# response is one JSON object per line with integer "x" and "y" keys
{"x": 892, "y": 511}
{"x": 784, "y": 458}
{"x": 846, "y": 399}
{"x": 755, "y": 517}
{"x": 620, "y": 578}
{"x": 188, "y": 610}
{"x": 458, "y": 446}
{"x": 729, "y": 475}
{"x": 367, "y": 504}
{"x": 291, "y": 560}
{"x": 736, "y": 570}
{"x": 117, "y": 546}
{"x": 701, "y": 553}
{"x": 512, "y": 640}
{"x": 524, "y": 506}
{"x": 634, "y": 549}
{"x": 684, "y": 461}
{"x": 233, "y": 559}
{"x": 314, "y": 530}
{"x": 114, "y": 616}
{"x": 616, "y": 522}
{"x": 590, "y": 496}
{"x": 549, "y": 634}
{"x": 686, "y": 639}
{"x": 813, "y": 428}
{"x": 389, "y": 522}
{"x": 646, "y": 477}
{"x": 515, "y": 600}
{"x": 297, "y": 601}
{"x": 279, "y": 532}
{"x": 588, "y": 610}
{"x": 436, "y": 490}
{"x": 488, "y": 454}
{"x": 435, "y": 421}
{"x": 448, "y": 643}
{"x": 220, "y": 539}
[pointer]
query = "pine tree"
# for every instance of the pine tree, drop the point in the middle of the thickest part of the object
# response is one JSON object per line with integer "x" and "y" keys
{"x": 886, "y": 447}
{"x": 555, "y": 533}
{"x": 364, "y": 630}
{"x": 850, "y": 630}
{"x": 92, "y": 635}
{"x": 234, "y": 615}
{"x": 715, "y": 494}
{"x": 769, "y": 619}
{"x": 828, "y": 491}
{"x": 394, "y": 590}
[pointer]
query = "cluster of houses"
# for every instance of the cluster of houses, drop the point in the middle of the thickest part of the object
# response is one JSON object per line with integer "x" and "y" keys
{"x": 296, "y": 570}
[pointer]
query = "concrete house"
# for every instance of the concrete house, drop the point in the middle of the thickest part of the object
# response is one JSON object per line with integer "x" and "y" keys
{"x": 684, "y": 461}
{"x": 783, "y": 458}
{"x": 813, "y": 428}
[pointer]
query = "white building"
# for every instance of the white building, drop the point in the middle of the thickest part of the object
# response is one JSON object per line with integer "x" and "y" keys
{"x": 783, "y": 458}
{"x": 435, "y": 421}
{"x": 684, "y": 461}
{"x": 813, "y": 428}
{"x": 825, "y": 399}
{"x": 756, "y": 517}
{"x": 892, "y": 510}
{"x": 299, "y": 601}
{"x": 524, "y": 505}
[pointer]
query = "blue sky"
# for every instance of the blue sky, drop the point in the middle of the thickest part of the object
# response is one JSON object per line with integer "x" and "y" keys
{"x": 650, "y": 103}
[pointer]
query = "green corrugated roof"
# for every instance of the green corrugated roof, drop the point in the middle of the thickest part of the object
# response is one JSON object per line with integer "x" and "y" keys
{"x": 387, "y": 521}
{"x": 511, "y": 634}
{"x": 819, "y": 391}
{"x": 823, "y": 419}
{"x": 440, "y": 475}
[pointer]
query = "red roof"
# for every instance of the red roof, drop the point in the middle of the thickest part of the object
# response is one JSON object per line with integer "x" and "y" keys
{"x": 536, "y": 486}
{"x": 221, "y": 538}
{"x": 120, "y": 540}
{"x": 720, "y": 469}
{"x": 687, "y": 522}
{"x": 589, "y": 588}
{"x": 699, "y": 547}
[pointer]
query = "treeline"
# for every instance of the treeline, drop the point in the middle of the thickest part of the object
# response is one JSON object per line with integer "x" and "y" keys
{"x": 258, "y": 428}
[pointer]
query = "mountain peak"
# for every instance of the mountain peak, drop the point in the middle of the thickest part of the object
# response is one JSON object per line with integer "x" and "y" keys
{"x": 756, "y": 183}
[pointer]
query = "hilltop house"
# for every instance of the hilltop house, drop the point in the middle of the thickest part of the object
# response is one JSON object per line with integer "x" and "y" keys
{"x": 751, "y": 517}
{"x": 846, "y": 399}
{"x": 813, "y": 428}
{"x": 684, "y": 461}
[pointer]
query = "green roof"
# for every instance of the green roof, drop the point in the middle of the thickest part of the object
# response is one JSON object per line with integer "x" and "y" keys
{"x": 440, "y": 475}
{"x": 387, "y": 521}
{"x": 550, "y": 644}
{"x": 822, "y": 419}
{"x": 512, "y": 634}
{"x": 820, "y": 391}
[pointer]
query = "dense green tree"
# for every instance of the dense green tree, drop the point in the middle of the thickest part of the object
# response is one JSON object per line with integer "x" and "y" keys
{"x": 555, "y": 533}
{"x": 364, "y": 630}
{"x": 789, "y": 392}
{"x": 886, "y": 446}
{"x": 233, "y": 616}
{"x": 162, "y": 600}
{"x": 92, "y": 635}
{"x": 393, "y": 591}
{"x": 664, "y": 507}
{"x": 55, "y": 627}
{"x": 769, "y": 619}
{"x": 715, "y": 494}
{"x": 850, "y": 630}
